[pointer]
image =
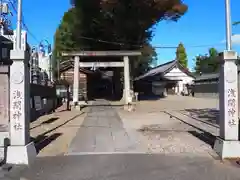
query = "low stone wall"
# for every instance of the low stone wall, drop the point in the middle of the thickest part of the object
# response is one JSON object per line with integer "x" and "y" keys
{"x": 43, "y": 100}
{"x": 209, "y": 89}
{"x": 206, "y": 89}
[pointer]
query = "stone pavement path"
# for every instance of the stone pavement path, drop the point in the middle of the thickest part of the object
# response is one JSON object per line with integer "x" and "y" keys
{"x": 100, "y": 151}
{"x": 102, "y": 132}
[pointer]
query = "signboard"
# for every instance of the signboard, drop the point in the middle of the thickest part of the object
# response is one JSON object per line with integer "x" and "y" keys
{"x": 37, "y": 103}
{"x": 31, "y": 104}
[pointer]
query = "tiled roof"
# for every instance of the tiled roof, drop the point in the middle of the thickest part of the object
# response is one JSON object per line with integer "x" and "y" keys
{"x": 158, "y": 70}
{"x": 163, "y": 68}
{"x": 207, "y": 76}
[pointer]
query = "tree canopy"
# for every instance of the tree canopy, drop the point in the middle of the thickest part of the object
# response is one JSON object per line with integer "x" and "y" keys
{"x": 181, "y": 55}
{"x": 236, "y": 23}
{"x": 207, "y": 63}
{"x": 115, "y": 25}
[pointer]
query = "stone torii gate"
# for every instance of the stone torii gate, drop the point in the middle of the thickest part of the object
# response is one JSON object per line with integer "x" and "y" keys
{"x": 125, "y": 64}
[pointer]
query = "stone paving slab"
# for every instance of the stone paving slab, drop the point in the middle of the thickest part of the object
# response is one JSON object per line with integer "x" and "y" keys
{"x": 102, "y": 131}
{"x": 104, "y": 140}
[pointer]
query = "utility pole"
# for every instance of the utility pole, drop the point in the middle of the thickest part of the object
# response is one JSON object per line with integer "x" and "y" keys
{"x": 228, "y": 26}
{"x": 19, "y": 23}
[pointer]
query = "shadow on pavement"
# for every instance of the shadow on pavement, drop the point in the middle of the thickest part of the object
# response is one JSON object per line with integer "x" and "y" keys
{"x": 204, "y": 136}
{"x": 104, "y": 105}
{"x": 53, "y": 129}
{"x": 64, "y": 110}
{"x": 207, "y": 115}
{"x": 49, "y": 121}
{"x": 149, "y": 97}
{"x": 43, "y": 141}
{"x": 156, "y": 128}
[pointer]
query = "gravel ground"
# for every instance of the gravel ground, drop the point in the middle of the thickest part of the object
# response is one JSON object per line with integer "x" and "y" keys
{"x": 166, "y": 135}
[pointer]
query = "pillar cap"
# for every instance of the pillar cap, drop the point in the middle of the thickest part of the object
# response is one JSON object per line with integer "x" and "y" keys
{"x": 229, "y": 55}
{"x": 19, "y": 55}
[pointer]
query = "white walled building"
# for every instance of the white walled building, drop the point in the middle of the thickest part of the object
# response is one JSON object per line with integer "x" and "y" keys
{"x": 170, "y": 77}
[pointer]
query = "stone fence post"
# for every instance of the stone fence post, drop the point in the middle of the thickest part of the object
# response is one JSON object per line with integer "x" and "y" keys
{"x": 228, "y": 144}
{"x": 21, "y": 150}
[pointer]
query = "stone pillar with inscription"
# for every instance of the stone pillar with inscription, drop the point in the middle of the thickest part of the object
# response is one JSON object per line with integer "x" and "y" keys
{"x": 21, "y": 149}
{"x": 228, "y": 144}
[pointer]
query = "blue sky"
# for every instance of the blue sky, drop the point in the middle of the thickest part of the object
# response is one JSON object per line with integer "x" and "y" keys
{"x": 43, "y": 17}
{"x": 203, "y": 24}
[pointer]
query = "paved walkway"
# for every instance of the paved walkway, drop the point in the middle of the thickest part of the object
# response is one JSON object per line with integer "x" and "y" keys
{"x": 106, "y": 148}
{"x": 102, "y": 132}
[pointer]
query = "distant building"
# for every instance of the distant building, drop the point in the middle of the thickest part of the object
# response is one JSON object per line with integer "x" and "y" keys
{"x": 207, "y": 85}
{"x": 6, "y": 45}
{"x": 66, "y": 76}
{"x": 93, "y": 84}
{"x": 45, "y": 63}
{"x": 168, "y": 78}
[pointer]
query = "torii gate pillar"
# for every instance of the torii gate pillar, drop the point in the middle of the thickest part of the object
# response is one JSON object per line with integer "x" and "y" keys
{"x": 127, "y": 95}
{"x": 76, "y": 81}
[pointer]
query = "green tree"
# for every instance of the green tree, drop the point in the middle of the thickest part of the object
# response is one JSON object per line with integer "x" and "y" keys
{"x": 199, "y": 63}
{"x": 197, "y": 67}
{"x": 115, "y": 25}
{"x": 66, "y": 33}
{"x": 143, "y": 63}
{"x": 207, "y": 63}
{"x": 236, "y": 23}
{"x": 213, "y": 62}
{"x": 181, "y": 55}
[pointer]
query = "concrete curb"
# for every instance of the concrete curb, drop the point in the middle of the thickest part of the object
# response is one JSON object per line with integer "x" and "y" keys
{"x": 195, "y": 123}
